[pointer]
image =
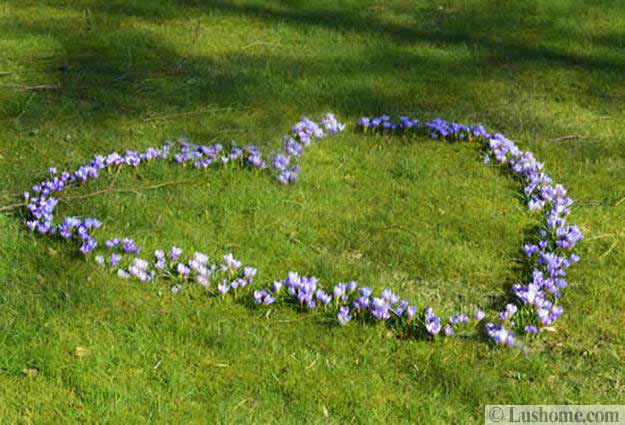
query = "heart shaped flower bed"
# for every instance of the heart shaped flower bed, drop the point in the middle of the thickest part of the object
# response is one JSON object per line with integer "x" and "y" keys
{"x": 534, "y": 309}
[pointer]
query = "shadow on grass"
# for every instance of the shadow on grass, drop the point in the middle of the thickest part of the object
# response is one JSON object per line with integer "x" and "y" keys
{"x": 114, "y": 71}
{"x": 460, "y": 25}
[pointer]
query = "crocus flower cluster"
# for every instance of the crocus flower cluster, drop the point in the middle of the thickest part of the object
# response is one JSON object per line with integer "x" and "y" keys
{"x": 436, "y": 129}
{"x": 228, "y": 276}
{"x": 350, "y": 301}
{"x": 303, "y": 134}
{"x": 42, "y": 199}
{"x": 203, "y": 156}
{"x": 550, "y": 254}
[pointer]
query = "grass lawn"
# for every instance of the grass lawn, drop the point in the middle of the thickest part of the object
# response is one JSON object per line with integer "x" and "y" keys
{"x": 424, "y": 218}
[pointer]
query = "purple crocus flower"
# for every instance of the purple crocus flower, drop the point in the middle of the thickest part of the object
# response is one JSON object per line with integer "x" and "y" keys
{"x": 389, "y": 296}
{"x": 182, "y": 269}
{"x": 459, "y": 318}
{"x": 508, "y": 312}
{"x": 479, "y": 315}
{"x": 112, "y": 243}
{"x": 249, "y": 273}
{"x": 323, "y": 297}
{"x": 130, "y": 247}
{"x": 449, "y": 331}
{"x": 531, "y": 329}
{"x": 361, "y": 303}
{"x": 259, "y": 296}
{"x": 281, "y": 162}
{"x": 343, "y": 316}
{"x": 174, "y": 253}
{"x": 365, "y": 291}
{"x": 411, "y": 311}
{"x": 277, "y": 286}
{"x": 380, "y": 309}
{"x": 223, "y": 287}
{"x": 499, "y": 334}
{"x": 114, "y": 259}
{"x": 88, "y": 245}
{"x": 230, "y": 264}
{"x": 432, "y": 322}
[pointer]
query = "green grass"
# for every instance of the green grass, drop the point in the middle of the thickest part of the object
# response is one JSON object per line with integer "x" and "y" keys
{"x": 424, "y": 218}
